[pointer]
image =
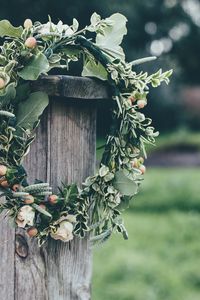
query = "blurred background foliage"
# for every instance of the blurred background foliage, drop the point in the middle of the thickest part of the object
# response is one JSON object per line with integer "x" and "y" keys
{"x": 160, "y": 260}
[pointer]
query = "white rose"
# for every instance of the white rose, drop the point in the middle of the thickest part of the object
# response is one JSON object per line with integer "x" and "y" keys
{"x": 25, "y": 216}
{"x": 71, "y": 218}
{"x": 63, "y": 232}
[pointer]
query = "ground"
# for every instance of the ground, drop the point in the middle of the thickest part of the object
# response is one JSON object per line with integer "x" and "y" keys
{"x": 160, "y": 259}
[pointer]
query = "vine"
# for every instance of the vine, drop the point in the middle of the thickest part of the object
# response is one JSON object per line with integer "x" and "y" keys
{"x": 96, "y": 207}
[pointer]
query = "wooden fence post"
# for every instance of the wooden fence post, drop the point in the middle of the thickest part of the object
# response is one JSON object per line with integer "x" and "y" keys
{"x": 64, "y": 150}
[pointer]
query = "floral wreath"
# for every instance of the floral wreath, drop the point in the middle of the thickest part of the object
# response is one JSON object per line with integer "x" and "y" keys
{"x": 96, "y": 206}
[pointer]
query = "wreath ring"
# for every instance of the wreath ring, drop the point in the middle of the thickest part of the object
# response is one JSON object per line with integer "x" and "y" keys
{"x": 96, "y": 207}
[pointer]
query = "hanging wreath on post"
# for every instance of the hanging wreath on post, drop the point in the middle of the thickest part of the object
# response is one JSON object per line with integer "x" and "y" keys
{"x": 33, "y": 50}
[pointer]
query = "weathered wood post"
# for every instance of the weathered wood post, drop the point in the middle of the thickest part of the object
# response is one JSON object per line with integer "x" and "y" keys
{"x": 64, "y": 150}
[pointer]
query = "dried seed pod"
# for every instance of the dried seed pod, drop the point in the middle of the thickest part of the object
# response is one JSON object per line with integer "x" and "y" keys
{"x": 5, "y": 184}
{"x": 16, "y": 187}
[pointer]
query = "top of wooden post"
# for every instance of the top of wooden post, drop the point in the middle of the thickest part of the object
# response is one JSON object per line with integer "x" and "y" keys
{"x": 72, "y": 87}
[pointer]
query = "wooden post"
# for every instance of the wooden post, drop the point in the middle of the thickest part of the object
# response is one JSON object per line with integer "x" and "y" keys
{"x": 64, "y": 150}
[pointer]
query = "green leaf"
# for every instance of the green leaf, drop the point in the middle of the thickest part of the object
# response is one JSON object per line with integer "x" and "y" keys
{"x": 103, "y": 171}
{"x": 22, "y": 92}
{"x": 41, "y": 210}
{"x": 112, "y": 35}
{"x": 95, "y": 19}
{"x": 37, "y": 65}
{"x": 124, "y": 185}
{"x": 7, "y": 29}
{"x": 109, "y": 177}
{"x": 10, "y": 93}
{"x": 30, "y": 110}
{"x": 75, "y": 25}
{"x": 94, "y": 69}
{"x": 124, "y": 202}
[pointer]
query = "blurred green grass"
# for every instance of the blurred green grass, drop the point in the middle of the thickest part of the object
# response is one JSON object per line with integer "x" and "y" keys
{"x": 160, "y": 261}
{"x": 180, "y": 140}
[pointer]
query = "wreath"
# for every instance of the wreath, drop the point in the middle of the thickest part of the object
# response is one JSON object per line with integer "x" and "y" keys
{"x": 33, "y": 50}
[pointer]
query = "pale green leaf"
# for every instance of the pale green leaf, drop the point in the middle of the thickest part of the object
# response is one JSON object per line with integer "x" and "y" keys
{"x": 36, "y": 66}
{"x": 103, "y": 171}
{"x": 94, "y": 69}
{"x": 75, "y": 25}
{"x": 124, "y": 204}
{"x": 9, "y": 95}
{"x": 111, "y": 36}
{"x": 30, "y": 110}
{"x": 124, "y": 185}
{"x": 95, "y": 18}
{"x": 41, "y": 210}
{"x": 7, "y": 29}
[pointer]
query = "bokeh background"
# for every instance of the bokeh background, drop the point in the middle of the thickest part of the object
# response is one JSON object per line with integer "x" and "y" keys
{"x": 162, "y": 257}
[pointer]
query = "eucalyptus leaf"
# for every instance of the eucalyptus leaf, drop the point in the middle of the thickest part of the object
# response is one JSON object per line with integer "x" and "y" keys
{"x": 36, "y": 66}
{"x": 7, "y": 29}
{"x": 124, "y": 185}
{"x": 124, "y": 204}
{"x": 30, "y": 110}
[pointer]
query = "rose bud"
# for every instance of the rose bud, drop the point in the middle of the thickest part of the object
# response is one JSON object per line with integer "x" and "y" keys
{"x": 2, "y": 83}
{"x": 28, "y": 23}
{"x": 31, "y": 43}
{"x": 53, "y": 199}
{"x": 32, "y": 231}
{"x": 141, "y": 103}
{"x": 29, "y": 199}
{"x": 3, "y": 170}
{"x": 142, "y": 169}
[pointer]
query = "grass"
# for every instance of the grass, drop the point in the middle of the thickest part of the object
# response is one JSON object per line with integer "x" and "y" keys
{"x": 160, "y": 259}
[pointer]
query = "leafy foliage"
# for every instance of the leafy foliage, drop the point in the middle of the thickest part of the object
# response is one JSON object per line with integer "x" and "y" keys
{"x": 29, "y": 111}
{"x": 123, "y": 184}
{"x": 37, "y": 65}
{"x": 34, "y": 51}
{"x": 6, "y": 29}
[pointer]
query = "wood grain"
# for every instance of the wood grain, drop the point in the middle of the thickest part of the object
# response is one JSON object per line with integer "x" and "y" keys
{"x": 7, "y": 250}
{"x": 83, "y": 88}
{"x": 64, "y": 150}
